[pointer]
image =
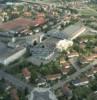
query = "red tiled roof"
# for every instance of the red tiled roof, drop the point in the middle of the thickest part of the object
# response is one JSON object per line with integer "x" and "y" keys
{"x": 26, "y": 72}
{"x": 19, "y": 22}
{"x": 22, "y": 22}
{"x": 39, "y": 21}
{"x": 53, "y": 77}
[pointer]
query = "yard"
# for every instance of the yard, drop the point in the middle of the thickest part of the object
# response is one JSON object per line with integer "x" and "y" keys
{"x": 87, "y": 12}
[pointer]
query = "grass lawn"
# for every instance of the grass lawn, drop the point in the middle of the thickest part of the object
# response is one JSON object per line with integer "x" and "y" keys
{"x": 88, "y": 12}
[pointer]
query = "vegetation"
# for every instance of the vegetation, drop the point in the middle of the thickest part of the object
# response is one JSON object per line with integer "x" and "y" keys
{"x": 51, "y": 68}
{"x": 87, "y": 12}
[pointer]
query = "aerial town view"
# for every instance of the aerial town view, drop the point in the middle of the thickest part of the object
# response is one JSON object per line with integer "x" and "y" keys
{"x": 48, "y": 49}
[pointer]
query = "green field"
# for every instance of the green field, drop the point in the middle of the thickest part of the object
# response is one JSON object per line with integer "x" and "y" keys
{"x": 88, "y": 12}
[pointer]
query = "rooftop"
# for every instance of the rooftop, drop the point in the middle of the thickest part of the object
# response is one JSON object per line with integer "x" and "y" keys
{"x": 67, "y": 33}
{"x": 45, "y": 48}
{"x": 65, "y": 70}
{"x": 26, "y": 72}
{"x": 42, "y": 94}
{"x": 6, "y": 51}
{"x": 53, "y": 76}
{"x": 81, "y": 80}
{"x": 16, "y": 23}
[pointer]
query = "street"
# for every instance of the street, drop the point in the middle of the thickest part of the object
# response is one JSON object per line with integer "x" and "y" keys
{"x": 73, "y": 76}
{"x": 14, "y": 81}
{"x": 73, "y": 61}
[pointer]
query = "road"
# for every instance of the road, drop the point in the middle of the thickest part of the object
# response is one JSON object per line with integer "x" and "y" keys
{"x": 43, "y": 2}
{"x": 14, "y": 81}
{"x": 73, "y": 61}
{"x": 73, "y": 76}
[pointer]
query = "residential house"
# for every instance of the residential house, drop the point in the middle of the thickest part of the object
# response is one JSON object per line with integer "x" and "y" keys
{"x": 27, "y": 14}
{"x": 91, "y": 72}
{"x": 80, "y": 82}
{"x": 40, "y": 15}
{"x": 53, "y": 77}
{"x": 82, "y": 45}
{"x": 91, "y": 57}
{"x": 62, "y": 61}
{"x": 67, "y": 91}
{"x": 72, "y": 54}
{"x": 39, "y": 21}
{"x": 65, "y": 68}
{"x": 14, "y": 94}
{"x": 95, "y": 69}
{"x": 41, "y": 81}
{"x": 26, "y": 73}
{"x": 88, "y": 59}
{"x": 95, "y": 50}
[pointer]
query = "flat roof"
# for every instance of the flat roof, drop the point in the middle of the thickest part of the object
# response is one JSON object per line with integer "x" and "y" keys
{"x": 72, "y": 30}
{"x": 67, "y": 33}
{"x": 6, "y": 51}
{"x": 42, "y": 94}
{"x": 45, "y": 48}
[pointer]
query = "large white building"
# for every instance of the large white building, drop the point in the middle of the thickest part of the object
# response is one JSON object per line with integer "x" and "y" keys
{"x": 10, "y": 54}
{"x": 42, "y": 94}
{"x": 56, "y": 41}
{"x": 71, "y": 32}
{"x": 47, "y": 50}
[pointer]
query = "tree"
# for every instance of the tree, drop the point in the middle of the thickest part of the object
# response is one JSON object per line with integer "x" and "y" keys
{"x": 93, "y": 85}
{"x": 34, "y": 75}
{"x": 26, "y": 91}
